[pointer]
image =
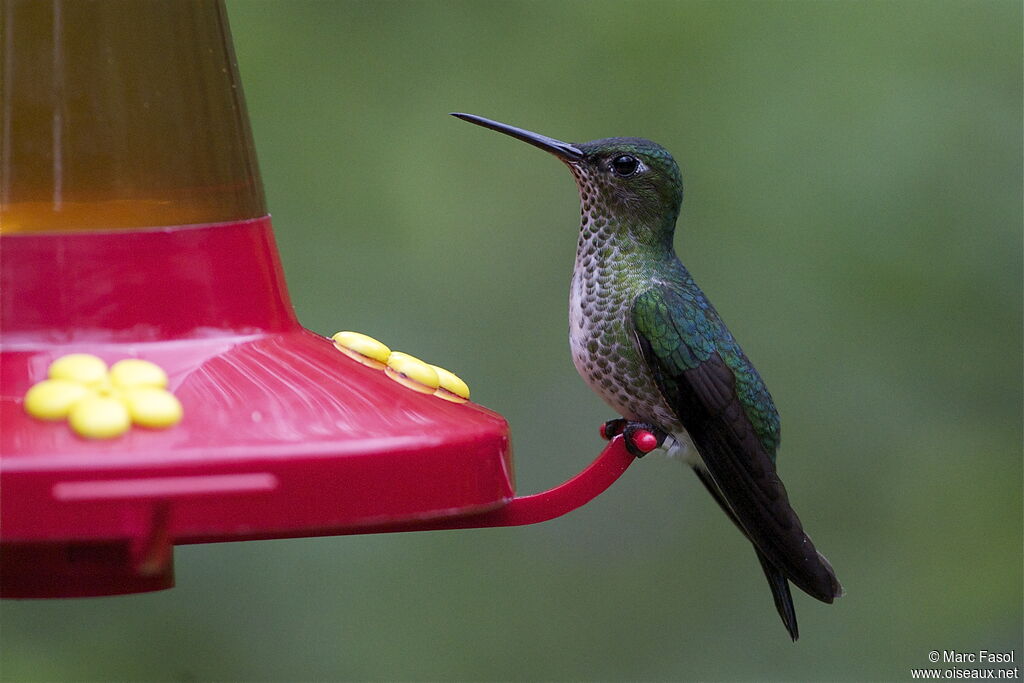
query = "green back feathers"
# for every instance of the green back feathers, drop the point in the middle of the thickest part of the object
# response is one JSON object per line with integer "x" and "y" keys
{"x": 683, "y": 331}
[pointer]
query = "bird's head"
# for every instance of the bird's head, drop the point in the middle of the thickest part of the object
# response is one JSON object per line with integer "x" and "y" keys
{"x": 630, "y": 182}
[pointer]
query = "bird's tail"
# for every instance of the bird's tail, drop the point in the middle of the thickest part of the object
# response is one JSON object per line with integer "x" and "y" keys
{"x": 779, "y": 584}
{"x": 777, "y": 580}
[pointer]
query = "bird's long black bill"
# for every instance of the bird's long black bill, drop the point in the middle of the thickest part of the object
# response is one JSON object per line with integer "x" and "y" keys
{"x": 562, "y": 150}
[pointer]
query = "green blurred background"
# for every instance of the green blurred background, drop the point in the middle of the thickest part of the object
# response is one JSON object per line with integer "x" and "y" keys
{"x": 853, "y": 175}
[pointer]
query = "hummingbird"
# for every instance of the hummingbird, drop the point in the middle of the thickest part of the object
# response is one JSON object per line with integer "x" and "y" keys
{"x": 647, "y": 340}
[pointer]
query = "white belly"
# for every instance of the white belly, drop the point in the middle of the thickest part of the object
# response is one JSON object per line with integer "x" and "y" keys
{"x": 598, "y": 354}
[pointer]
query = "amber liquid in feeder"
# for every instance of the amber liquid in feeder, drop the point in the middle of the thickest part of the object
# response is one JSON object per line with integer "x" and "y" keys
{"x": 121, "y": 114}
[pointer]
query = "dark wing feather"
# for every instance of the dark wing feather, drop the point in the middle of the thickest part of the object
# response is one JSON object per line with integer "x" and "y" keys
{"x": 704, "y": 396}
{"x": 776, "y": 579}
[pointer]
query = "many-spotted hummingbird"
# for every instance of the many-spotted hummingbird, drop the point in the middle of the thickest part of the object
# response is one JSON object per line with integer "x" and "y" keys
{"x": 647, "y": 340}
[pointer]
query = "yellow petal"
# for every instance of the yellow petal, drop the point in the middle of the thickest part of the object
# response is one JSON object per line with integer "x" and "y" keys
{"x": 99, "y": 417}
{"x": 363, "y": 345}
{"x": 79, "y": 367}
{"x": 134, "y": 372}
{"x": 52, "y": 399}
{"x": 450, "y": 382}
{"x": 153, "y": 407}
{"x": 413, "y": 368}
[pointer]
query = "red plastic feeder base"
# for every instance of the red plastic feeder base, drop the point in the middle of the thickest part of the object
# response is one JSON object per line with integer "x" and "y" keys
{"x": 282, "y": 436}
{"x": 78, "y": 570}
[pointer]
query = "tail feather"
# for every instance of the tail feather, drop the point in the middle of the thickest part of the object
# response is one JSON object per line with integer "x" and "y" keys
{"x": 776, "y": 579}
{"x": 781, "y": 595}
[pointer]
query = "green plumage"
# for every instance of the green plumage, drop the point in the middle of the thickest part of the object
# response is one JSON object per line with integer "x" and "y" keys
{"x": 684, "y": 330}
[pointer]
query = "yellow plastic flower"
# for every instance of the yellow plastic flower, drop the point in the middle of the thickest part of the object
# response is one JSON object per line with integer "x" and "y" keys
{"x": 405, "y": 369}
{"x": 102, "y": 404}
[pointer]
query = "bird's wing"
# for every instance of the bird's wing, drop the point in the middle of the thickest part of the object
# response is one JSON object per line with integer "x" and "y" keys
{"x": 686, "y": 346}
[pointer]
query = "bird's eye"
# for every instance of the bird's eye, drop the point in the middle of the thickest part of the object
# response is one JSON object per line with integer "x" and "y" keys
{"x": 625, "y": 165}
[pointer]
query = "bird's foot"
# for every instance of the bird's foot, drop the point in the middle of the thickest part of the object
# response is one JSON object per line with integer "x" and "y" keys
{"x": 640, "y": 437}
{"x": 612, "y": 428}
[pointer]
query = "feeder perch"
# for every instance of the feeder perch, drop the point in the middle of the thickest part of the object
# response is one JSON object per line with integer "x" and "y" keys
{"x": 133, "y": 226}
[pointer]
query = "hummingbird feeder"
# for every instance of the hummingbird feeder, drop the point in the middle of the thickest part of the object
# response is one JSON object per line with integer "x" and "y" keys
{"x": 155, "y": 386}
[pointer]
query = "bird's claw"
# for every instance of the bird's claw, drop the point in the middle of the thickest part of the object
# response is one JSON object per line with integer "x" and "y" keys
{"x": 640, "y": 437}
{"x": 612, "y": 428}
